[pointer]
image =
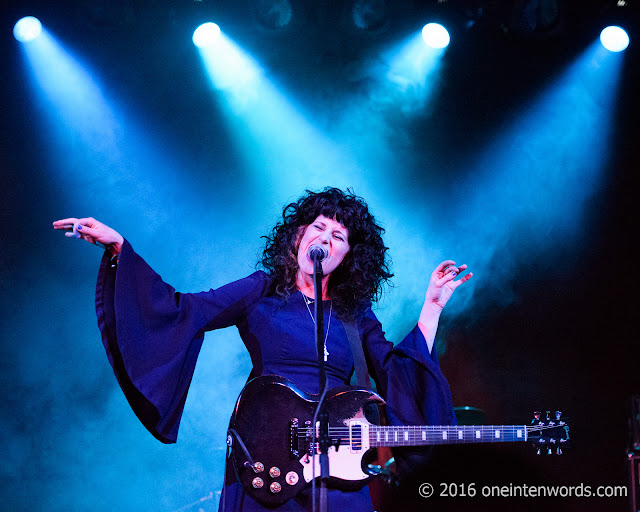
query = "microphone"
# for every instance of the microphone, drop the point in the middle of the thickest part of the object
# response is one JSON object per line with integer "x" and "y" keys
{"x": 317, "y": 253}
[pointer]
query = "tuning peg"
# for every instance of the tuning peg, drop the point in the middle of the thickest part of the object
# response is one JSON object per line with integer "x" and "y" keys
{"x": 536, "y": 415}
{"x": 558, "y": 415}
{"x": 376, "y": 470}
{"x": 538, "y": 451}
{"x": 549, "y": 451}
{"x": 558, "y": 451}
{"x": 548, "y": 415}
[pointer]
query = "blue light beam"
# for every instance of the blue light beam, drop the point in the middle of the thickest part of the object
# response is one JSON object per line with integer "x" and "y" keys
{"x": 408, "y": 76}
{"x": 89, "y": 141}
{"x": 283, "y": 151}
{"x": 74, "y": 99}
{"x": 113, "y": 170}
{"x": 528, "y": 195}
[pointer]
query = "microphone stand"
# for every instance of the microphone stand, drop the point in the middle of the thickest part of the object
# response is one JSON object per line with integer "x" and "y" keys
{"x": 323, "y": 416}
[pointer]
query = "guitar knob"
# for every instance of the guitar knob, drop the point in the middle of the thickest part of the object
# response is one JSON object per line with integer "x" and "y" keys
{"x": 258, "y": 467}
{"x": 275, "y": 487}
{"x": 274, "y": 472}
{"x": 257, "y": 482}
{"x": 291, "y": 478}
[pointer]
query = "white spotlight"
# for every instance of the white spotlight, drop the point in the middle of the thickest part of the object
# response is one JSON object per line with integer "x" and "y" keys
{"x": 206, "y": 35}
{"x": 614, "y": 39}
{"x": 27, "y": 29}
{"x": 435, "y": 35}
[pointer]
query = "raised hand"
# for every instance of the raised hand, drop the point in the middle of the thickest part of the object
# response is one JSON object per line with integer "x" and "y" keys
{"x": 442, "y": 283}
{"x": 92, "y": 231}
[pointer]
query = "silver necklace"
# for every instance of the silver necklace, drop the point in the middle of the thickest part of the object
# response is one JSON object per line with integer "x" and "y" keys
{"x": 308, "y": 301}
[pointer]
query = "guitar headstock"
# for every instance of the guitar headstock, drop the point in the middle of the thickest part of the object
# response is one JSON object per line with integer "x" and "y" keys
{"x": 549, "y": 432}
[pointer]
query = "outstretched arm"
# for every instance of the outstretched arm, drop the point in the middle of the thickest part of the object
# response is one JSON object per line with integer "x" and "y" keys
{"x": 92, "y": 231}
{"x": 442, "y": 284}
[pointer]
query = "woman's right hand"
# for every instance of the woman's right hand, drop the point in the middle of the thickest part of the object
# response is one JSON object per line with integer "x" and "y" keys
{"x": 92, "y": 231}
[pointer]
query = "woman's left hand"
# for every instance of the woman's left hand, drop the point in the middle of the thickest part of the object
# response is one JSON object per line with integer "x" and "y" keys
{"x": 442, "y": 283}
{"x": 441, "y": 286}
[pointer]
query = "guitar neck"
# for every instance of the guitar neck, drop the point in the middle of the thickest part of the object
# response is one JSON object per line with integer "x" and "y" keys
{"x": 450, "y": 434}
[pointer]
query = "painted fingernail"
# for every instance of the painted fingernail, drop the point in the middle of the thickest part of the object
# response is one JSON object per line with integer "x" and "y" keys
{"x": 454, "y": 274}
{"x": 79, "y": 227}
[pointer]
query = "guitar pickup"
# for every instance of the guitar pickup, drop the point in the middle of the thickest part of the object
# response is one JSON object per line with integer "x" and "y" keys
{"x": 358, "y": 436}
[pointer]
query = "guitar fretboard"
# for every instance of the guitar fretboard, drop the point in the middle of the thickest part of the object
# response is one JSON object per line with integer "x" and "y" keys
{"x": 458, "y": 434}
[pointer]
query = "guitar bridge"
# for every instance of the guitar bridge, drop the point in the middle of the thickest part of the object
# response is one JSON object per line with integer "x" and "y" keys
{"x": 311, "y": 449}
{"x": 300, "y": 438}
{"x": 294, "y": 443}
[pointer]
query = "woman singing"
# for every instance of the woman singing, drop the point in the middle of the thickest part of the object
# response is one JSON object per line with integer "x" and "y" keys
{"x": 153, "y": 334}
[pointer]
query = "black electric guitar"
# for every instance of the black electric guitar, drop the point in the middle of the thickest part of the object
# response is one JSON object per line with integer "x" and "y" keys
{"x": 273, "y": 451}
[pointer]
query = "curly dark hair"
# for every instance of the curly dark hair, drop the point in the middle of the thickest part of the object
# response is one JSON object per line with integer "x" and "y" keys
{"x": 358, "y": 280}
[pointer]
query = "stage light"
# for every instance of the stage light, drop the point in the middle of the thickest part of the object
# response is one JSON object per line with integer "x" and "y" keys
{"x": 369, "y": 15}
{"x": 435, "y": 35}
{"x": 614, "y": 39}
{"x": 537, "y": 18}
{"x": 206, "y": 35}
{"x": 274, "y": 14}
{"x": 27, "y": 29}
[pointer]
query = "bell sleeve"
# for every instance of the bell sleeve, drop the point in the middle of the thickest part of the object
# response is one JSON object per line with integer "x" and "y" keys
{"x": 410, "y": 380}
{"x": 152, "y": 334}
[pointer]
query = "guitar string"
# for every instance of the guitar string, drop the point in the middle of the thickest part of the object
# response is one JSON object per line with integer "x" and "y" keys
{"x": 435, "y": 428}
{"x": 442, "y": 428}
{"x": 345, "y": 433}
{"x": 412, "y": 441}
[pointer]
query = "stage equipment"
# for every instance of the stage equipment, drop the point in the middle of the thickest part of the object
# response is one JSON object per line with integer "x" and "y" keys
{"x": 614, "y": 39}
{"x": 435, "y": 35}
{"x": 27, "y": 29}
{"x": 206, "y": 35}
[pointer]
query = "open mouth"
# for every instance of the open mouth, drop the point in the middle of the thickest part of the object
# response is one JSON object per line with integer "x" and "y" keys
{"x": 307, "y": 255}
{"x": 307, "y": 251}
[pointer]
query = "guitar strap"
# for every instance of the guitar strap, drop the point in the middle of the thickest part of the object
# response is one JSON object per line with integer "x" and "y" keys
{"x": 359, "y": 362}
